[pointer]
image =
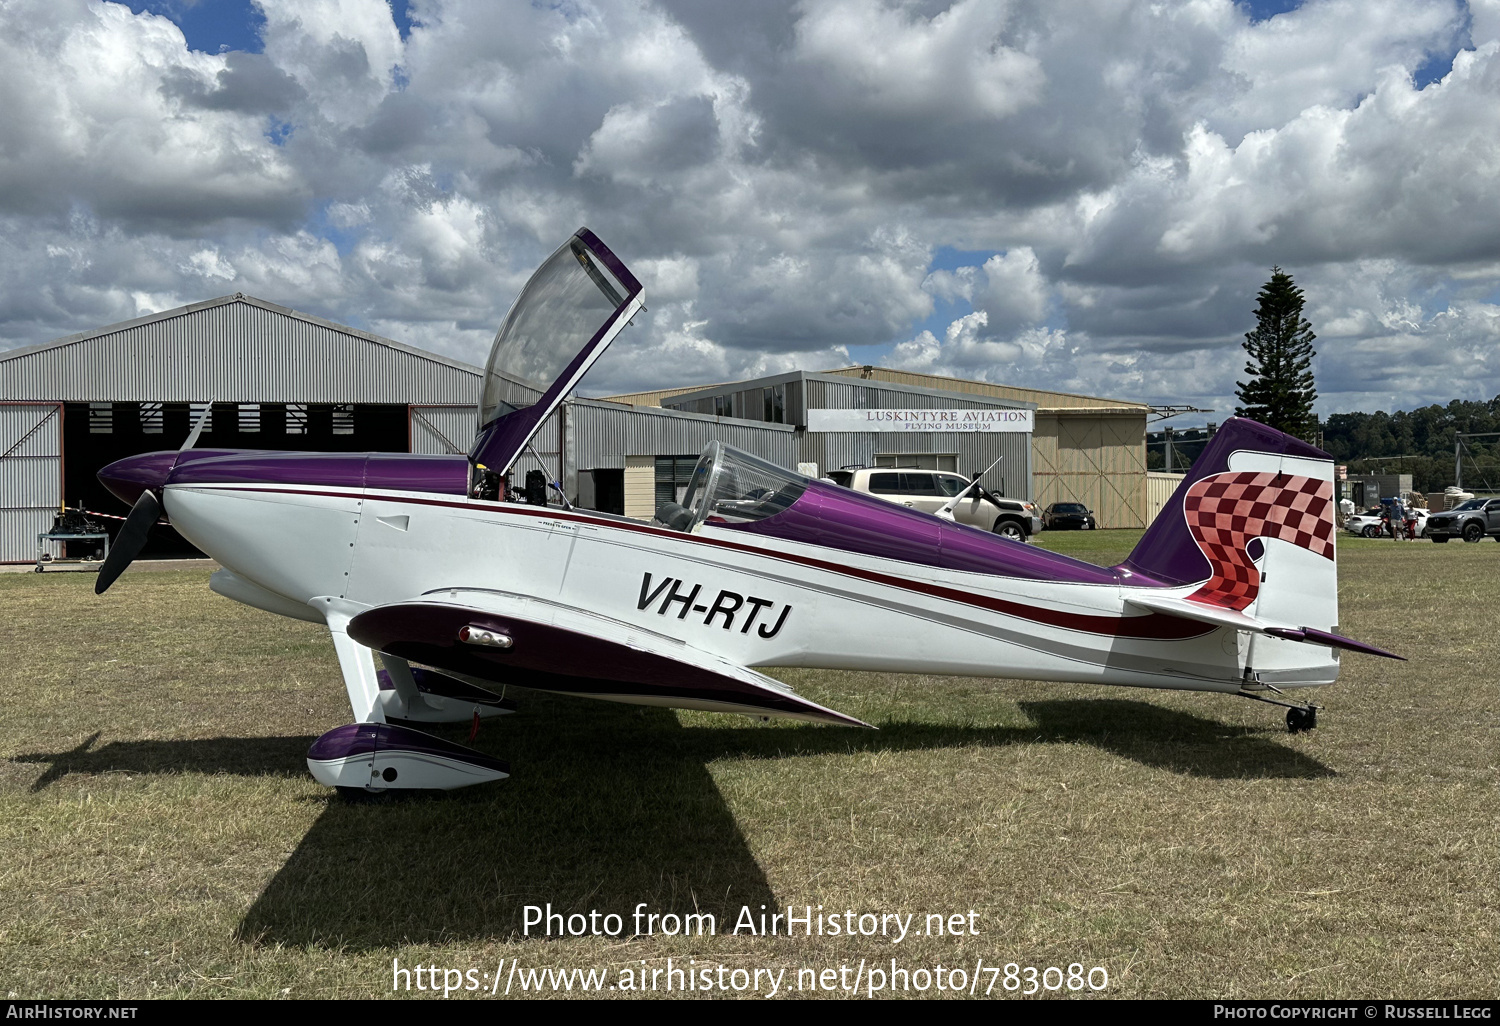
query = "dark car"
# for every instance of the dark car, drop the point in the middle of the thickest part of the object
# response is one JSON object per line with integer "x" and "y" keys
{"x": 1470, "y": 521}
{"x": 1061, "y": 516}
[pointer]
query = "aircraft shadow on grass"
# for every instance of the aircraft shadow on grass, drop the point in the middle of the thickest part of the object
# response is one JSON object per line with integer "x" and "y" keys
{"x": 1146, "y": 733}
{"x": 608, "y": 809}
{"x": 611, "y": 805}
{"x": 244, "y": 756}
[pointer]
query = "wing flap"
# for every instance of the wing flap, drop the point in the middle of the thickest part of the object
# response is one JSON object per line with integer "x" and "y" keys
{"x": 547, "y": 646}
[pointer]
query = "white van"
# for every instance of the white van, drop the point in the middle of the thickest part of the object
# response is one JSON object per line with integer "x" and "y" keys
{"x": 929, "y": 490}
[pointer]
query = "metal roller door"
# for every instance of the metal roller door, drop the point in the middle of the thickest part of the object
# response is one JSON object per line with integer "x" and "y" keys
{"x": 30, "y": 476}
{"x": 437, "y": 430}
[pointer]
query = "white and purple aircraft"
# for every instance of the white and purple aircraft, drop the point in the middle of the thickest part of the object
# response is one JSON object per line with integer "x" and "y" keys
{"x": 436, "y": 571}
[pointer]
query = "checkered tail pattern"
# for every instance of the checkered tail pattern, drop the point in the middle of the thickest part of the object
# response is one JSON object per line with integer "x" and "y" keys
{"x": 1226, "y": 511}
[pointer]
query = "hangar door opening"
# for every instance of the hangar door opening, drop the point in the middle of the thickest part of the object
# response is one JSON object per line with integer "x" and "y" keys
{"x": 30, "y": 476}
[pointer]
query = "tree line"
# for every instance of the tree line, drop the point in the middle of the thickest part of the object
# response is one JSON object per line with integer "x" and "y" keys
{"x": 1417, "y": 442}
{"x": 1420, "y": 443}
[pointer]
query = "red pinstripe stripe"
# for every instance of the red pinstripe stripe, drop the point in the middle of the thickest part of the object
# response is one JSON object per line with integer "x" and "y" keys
{"x": 1152, "y": 625}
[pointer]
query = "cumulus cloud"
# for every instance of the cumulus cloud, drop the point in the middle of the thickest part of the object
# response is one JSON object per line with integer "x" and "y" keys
{"x": 911, "y": 64}
{"x": 101, "y": 112}
{"x": 969, "y": 350}
{"x": 1117, "y": 178}
{"x": 343, "y": 53}
{"x": 1288, "y": 66}
{"x": 1015, "y": 291}
{"x": 644, "y": 145}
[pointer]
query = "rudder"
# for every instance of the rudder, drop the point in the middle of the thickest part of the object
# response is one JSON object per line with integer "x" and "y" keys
{"x": 1252, "y": 525}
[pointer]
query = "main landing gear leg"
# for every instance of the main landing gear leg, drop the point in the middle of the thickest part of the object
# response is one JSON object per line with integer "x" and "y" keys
{"x": 1299, "y": 717}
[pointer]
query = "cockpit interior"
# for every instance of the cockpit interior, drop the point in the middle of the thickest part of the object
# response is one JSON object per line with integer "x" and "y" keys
{"x": 732, "y": 487}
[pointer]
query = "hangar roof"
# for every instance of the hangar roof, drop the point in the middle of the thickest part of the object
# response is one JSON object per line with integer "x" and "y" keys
{"x": 1046, "y": 401}
{"x": 233, "y": 349}
{"x": 818, "y": 399}
{"x": 655, "y": 396}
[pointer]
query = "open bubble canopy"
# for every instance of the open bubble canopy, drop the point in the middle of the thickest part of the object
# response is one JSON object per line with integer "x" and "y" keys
{"x": 564, "y": 318}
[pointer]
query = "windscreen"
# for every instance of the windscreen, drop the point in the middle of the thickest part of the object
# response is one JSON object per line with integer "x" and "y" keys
{"x": 567, "y": 300}
{"x": 735, "y": 487}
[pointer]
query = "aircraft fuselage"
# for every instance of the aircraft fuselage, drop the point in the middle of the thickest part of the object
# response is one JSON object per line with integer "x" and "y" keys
{"x": 750, "y": 599}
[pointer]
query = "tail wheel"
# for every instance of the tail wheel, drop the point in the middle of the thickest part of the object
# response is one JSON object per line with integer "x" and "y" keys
{"x": 1473, "y": 532}
{"x": 1009, "y": 529}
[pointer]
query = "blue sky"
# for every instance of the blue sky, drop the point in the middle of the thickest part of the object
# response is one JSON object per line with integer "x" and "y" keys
{"x": 214, "y": 26}
{"x": 211, "y": 26}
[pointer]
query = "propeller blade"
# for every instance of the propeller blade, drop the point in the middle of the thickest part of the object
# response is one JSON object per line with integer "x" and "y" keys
{"x": 192, "y": 438}
{"x": 130, "y": 540}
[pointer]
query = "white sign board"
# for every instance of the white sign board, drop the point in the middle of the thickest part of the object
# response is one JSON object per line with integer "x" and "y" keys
{"x": 921, "y": 420}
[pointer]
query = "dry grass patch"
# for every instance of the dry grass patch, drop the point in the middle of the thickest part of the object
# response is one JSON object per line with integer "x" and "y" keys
{"x": 160, "y": 834}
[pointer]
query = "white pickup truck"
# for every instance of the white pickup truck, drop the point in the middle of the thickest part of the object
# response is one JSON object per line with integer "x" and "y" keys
{"x": 930, "y": 490}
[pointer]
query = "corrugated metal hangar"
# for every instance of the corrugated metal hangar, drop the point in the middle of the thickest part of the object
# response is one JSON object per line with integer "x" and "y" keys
{"x": 810, "y": 405}
{"x": 1083, "y": 448}
{"x": 275, "y": 378}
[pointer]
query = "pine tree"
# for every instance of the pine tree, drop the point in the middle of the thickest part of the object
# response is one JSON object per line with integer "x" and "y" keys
{"x": 1280, "y": 391}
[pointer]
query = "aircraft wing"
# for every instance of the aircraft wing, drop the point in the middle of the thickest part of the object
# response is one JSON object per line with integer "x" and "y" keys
{"x": 1223, "y": 616}
{"x": 533, "y": 643}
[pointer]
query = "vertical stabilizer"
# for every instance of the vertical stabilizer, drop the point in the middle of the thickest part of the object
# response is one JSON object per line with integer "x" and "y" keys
{"x": 1252, "y": 526}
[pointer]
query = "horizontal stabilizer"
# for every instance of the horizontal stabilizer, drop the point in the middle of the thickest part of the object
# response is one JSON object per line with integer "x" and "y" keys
{"x": 1313, "y": 636}
{"x": 531, "y": 643}
{"x": 1222, "y": 616}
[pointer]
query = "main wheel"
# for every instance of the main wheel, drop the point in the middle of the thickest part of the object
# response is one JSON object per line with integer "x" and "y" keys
{"x": 1473, "y": 532}
{"x": 1370, "y": 531}
{"x": 1009, "y": 529}
{"x": 1298, "y": 720}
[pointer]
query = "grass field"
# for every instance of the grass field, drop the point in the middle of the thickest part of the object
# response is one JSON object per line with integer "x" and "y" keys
{"x": 160, "y": 835}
